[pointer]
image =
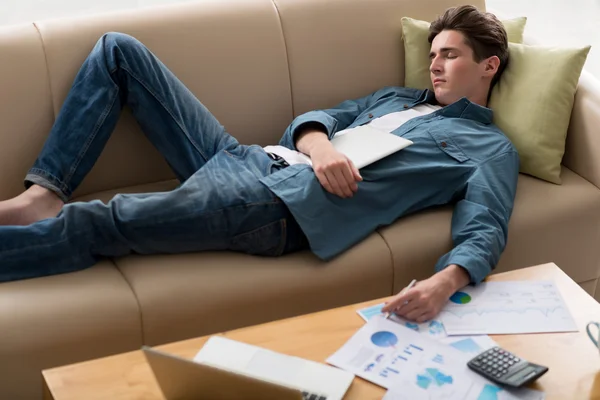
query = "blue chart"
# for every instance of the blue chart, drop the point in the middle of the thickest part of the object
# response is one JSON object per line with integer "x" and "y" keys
{"x": 370, "y": 312}
{"x": 433, "y": 377}
{"x": 384, "y": 339}
{"x": 507, "y": 308}
{"x": 438, "y": 359}
{"x": 411, "y": 348}
{"x": 410, "y": 325}
{"x": 467, "y": 346}
{"x": 385, "y": 373}
{"x": 489, "y": 392}
{"x": 436, "y": 328}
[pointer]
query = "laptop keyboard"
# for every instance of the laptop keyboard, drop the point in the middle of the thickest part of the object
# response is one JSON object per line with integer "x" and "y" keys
{"x": 312, "y": 396}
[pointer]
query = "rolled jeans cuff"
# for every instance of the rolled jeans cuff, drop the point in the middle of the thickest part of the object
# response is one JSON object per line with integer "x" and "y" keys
{"x": 39, "y": 178}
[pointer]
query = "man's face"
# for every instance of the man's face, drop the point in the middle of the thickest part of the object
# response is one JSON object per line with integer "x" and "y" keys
{"x": 454, "y": 72}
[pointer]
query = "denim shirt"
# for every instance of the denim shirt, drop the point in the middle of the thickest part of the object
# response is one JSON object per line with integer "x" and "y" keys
{"x": 458, "y": 157}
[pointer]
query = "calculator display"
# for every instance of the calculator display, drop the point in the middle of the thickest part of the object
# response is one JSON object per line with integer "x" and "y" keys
{"x": 517, "y": 376}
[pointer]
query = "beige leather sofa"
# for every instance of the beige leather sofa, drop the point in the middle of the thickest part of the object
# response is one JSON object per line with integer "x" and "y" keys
{"x": 256, "y": 64}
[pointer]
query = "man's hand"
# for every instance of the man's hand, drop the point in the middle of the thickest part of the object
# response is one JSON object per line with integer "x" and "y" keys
{"x": 335, "y": 172}
{"x": 425, "y": 300}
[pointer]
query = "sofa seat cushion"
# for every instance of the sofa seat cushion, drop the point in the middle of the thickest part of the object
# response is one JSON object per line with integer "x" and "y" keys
{"x": 547, "y": 220}
{"x": 188, "y": 295}
{"x": 61, "y": 319}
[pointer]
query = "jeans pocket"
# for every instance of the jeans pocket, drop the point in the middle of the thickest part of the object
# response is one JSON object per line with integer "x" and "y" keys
{"x": 267, "y": 240}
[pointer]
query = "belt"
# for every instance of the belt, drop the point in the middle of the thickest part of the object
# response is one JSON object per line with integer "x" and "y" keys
{"x": 278, "y": 159}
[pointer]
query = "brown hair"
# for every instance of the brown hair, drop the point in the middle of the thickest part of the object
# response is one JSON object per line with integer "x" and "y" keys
{"x": 483, "y": 33}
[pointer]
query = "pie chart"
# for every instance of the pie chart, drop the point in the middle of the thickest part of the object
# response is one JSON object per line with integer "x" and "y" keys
{"x": 384, "y": 339}
{"x": 460, "y": 298}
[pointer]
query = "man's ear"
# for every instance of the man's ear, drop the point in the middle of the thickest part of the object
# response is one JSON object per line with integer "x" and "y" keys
{"x": 491, "y": 65}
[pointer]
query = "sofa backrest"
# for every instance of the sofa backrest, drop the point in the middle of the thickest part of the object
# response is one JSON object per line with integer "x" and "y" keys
{"x": 256, "y": 64}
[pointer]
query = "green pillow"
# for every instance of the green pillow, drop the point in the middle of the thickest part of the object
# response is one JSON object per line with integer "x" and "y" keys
{"x": 417, "y": 48}
{"x": 532, "y": 104}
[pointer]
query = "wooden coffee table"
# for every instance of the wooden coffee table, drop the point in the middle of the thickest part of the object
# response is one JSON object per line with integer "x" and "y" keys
{"x": 574, "y": 362}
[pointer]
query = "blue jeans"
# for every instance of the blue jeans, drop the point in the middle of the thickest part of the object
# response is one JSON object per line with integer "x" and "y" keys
{"x": 220, "y": 204}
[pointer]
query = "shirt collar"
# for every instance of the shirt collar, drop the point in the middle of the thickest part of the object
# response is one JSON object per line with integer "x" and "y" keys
{"x": 462, "y": 108}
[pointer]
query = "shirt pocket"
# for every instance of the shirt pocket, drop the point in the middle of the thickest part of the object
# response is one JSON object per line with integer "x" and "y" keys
{"x": 446, "y": 144}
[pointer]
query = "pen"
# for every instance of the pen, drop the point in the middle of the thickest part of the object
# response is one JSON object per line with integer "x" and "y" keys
{"x": 410, "y": 285}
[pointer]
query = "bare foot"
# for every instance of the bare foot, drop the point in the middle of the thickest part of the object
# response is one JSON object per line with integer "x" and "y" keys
{"x": 33, "y": 205}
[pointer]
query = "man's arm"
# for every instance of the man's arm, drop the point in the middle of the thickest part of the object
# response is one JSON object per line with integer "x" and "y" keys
{"x": 479, "y": 232}
{"x": 328, "y": 121}
{"x": 311, "y": 133}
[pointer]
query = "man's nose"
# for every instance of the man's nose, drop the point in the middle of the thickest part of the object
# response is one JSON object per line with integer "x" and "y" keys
{"x": 436, "y": 66}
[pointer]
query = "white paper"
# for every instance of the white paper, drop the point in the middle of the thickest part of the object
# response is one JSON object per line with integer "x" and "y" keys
{"x": 383, "y": 352}
{"x": 507, "y": 308}
{"x": 414, "y": 366}
{"x": 480, "y": 389}
{"x": 434, "y": 329}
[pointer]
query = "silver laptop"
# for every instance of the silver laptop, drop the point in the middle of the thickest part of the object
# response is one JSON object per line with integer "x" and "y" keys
{"x": 364, "y": 145}
{"x": 315, "y": 380}
{"x": 183, "y": 379}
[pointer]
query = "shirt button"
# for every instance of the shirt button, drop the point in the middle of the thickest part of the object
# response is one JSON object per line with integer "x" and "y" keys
{"x": 405, "y": 106}
{"x": 370, "y": 115}
{"x": 443, "y": 144}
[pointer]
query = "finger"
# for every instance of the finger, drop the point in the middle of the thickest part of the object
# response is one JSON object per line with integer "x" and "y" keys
{"x": 341, "y": 181}
{"x": 335, "y": 187}
{"x": 324, "y": 182}
{"x": 349, "y": 178}
{"x": 355, "y": 172}
{"x": 414, "y": 314}
{"x": 424, "y": 317}
{"x": 410, "y": 307}
{"x": 400, "y": 300}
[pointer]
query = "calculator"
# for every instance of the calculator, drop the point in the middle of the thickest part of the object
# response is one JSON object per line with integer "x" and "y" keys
{"x": 503, "y": 367}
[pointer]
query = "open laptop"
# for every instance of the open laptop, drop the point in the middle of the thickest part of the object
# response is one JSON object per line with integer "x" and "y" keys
{"x": 225, "y": 369}
{"x": 364, "y": 145}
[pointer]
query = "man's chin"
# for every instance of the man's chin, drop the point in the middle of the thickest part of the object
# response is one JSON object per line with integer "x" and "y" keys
{"x": 444, "y": 98}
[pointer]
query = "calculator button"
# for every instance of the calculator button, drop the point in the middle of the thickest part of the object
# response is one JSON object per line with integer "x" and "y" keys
{"x": 511, "y": 362}
{"x": 476, "y": 363}
{"x": 517, "y": 359}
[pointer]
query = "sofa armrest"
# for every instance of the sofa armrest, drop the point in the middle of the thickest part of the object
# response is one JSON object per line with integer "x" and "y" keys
{"x": 582, "y": 154}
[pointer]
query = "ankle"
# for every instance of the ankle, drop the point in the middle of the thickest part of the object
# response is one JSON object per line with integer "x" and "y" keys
{"x": 37, "y": 194}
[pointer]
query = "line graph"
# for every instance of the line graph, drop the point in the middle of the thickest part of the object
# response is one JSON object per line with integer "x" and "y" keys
{"x": 506, "y": 308}
{"x": 545, "y": 312}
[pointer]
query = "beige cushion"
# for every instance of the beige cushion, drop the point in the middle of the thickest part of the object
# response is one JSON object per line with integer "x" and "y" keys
{"x": 550, "y": 223}
{"x": 217, "y": 291}
{"x": 532, "y": 104}
{"x": 232, "y": 57}
{"x": 62, "y": 319}
{"x": 25, "y": 105}
{"x": 343, "y": 49}
{"x": 417, "y": 48}
{"x": 188, "y": 295}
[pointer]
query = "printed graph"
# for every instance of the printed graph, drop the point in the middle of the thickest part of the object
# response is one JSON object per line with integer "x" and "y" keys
{"x": 489, "y": 392}
{"x": 384, "y": 339}
{"x": 506, "y": 308}
{"x": 460, "y": 298}
{"x": 467, "y": 346}
{"x": 436, "y": 328}
{"x": 433, "y": 377}
{"x": 413, "y": 326}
